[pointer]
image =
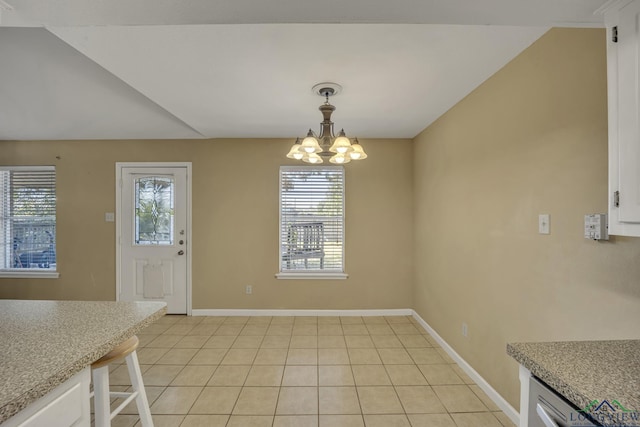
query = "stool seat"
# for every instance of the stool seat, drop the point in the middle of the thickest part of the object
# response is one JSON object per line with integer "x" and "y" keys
{"x": 119, "y": 352}
{"x": 101, "y": 394}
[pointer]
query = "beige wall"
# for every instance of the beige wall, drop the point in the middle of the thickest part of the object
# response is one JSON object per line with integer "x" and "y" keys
{"x": 530, "y": 140}
{"x": 235, "y": 223}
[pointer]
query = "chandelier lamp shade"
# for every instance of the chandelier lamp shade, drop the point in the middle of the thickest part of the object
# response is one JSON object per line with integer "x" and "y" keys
{"x": 315, "y": 149}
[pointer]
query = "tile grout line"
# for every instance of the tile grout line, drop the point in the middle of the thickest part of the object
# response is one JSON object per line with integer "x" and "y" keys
{"x": 404, "y": 347}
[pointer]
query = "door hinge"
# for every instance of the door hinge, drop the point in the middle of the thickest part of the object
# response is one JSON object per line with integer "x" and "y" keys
{"x": 616, "y": 199}
{"x": 614, "y": 34}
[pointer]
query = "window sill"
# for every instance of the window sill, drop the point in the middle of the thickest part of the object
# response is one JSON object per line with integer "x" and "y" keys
{"x": 13, "y": 274}
{"x": 316, "y": 275}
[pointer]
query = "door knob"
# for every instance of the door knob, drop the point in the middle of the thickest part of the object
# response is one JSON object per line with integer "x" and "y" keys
{"x": 181, "y": 242}
{"x": 180, "y": 252}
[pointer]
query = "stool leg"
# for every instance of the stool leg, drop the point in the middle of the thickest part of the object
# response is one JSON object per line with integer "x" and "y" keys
{"x": 136, "y": 381}
{"x": 101, "y": 398}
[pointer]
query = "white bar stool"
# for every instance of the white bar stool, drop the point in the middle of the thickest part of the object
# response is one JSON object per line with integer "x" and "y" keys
{"x": 102, "y": 395}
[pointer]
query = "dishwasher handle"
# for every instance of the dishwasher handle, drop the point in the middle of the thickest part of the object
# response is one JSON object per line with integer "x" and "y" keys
{"x": 545, "y": 417}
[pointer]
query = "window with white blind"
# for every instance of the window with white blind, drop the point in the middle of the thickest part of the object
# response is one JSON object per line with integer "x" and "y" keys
{"x": 28, "y": 221}
{"x": 311, "y": 222}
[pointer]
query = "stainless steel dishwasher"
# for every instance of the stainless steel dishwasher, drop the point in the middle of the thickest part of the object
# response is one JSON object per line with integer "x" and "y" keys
{"x": 548, "y": 409}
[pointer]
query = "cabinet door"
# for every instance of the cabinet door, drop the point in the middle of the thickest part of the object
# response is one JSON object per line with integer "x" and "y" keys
{"x": 65, "y": 406}
{"x": 624, "y": 119}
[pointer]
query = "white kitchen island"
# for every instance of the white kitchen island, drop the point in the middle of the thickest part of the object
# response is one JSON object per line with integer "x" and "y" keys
{"x": 46, "y": 350}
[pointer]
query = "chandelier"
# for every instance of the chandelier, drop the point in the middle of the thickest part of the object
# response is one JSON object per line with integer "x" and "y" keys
{"x": 316, "y": 149}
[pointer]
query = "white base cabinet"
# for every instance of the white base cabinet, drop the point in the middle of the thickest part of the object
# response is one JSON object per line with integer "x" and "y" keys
{"x": 65, "y": 406}
{"x": 622, "y": 20}
{"x": 525, "y": 377}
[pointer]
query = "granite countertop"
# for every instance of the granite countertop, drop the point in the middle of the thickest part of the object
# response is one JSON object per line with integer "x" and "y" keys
{"x": 44, "y": 343}
{"x": 584, "y": 371}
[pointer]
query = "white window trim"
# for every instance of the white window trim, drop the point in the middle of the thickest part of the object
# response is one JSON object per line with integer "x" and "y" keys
{"x": 14, "y": 274}
{"x": 27, "y": 168}
{"x": 314, "y": 275}
{"x": 11, "y": 273}
{"x": 310, "y": 274}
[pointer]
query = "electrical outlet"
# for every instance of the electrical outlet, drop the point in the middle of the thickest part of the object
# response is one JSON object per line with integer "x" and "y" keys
{"x": 465, "y": 330}
{"x": 248, "y": 289}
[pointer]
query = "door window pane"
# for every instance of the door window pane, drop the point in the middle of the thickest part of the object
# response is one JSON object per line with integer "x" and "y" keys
{"x": 154, "y": 210}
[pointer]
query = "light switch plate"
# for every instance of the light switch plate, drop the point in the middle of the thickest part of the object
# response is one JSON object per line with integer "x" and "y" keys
{"x": 109, "y": 217}
{"x": 543, "y": 224}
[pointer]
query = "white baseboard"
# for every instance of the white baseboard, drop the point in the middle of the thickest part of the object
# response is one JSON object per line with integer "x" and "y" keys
{"x": 251, "y": 312}
{"x": 475, "y": 376}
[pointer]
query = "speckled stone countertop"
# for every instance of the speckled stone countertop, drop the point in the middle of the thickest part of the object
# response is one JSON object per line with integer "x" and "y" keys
{"x": 44, "y": 343}
{"x": 583, "y": 371}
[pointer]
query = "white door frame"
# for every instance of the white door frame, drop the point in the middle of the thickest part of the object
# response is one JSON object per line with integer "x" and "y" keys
{"x": 119, "y": 167}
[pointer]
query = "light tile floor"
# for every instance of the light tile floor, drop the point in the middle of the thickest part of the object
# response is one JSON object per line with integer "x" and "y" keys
{"x": 301, "y": 372}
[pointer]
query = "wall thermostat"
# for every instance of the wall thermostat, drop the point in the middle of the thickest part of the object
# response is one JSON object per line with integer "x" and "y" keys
{"x": 596, "y": 227}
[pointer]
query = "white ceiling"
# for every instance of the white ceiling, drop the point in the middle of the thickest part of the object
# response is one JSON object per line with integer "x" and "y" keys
{"x": 123, "y": 69}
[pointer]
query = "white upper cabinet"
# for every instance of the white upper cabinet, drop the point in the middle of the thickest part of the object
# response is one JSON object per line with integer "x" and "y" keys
{"x": 623, "y": 70}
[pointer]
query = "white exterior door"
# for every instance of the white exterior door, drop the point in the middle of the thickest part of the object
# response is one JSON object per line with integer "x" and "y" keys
{"x": 153, "y": 219}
